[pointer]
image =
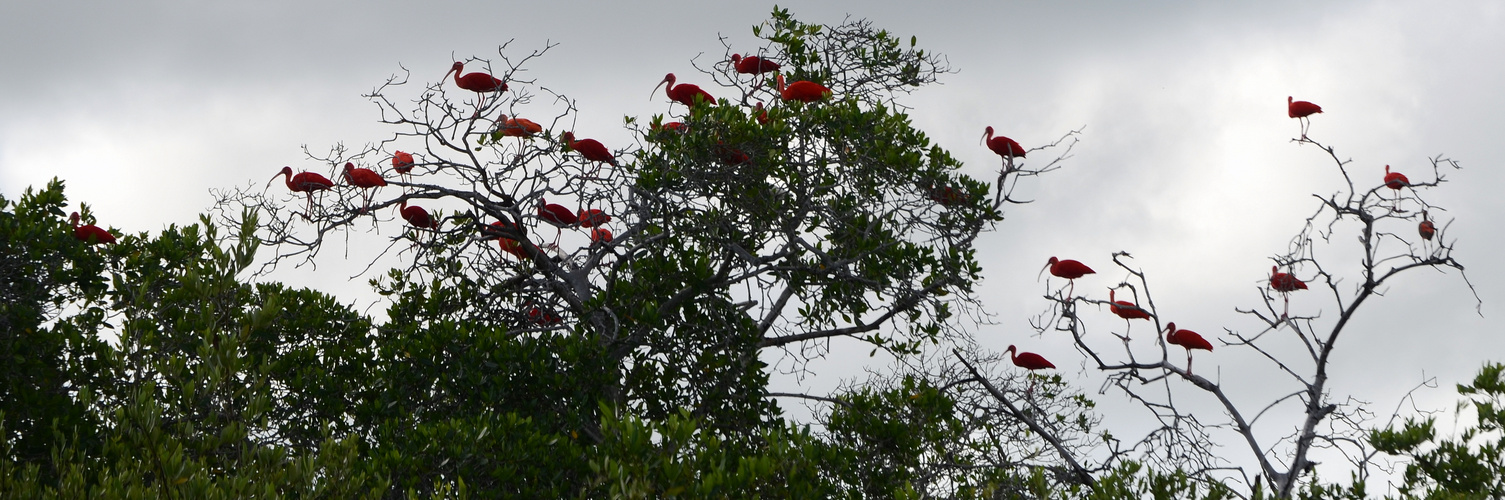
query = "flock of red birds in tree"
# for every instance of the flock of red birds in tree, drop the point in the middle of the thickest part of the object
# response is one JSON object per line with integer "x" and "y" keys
{"x": 591, "y": 150}
{"x": 692, "y": 95}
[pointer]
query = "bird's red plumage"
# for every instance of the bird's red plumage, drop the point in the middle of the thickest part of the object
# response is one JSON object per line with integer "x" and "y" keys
{"x": 90, "y": 233}
{"x": 1069, "y": 269}
{"x": 593, "y": 217}
{"x": 1395, "y": 180}
{"x": 1001, "y": 145}
{"x": 1125, "y": 309}
{"x": 752, "y": 65}
{"x": 402, "y": 162}
{"x": 1300, "y": 109}
{"x": 803, "y": 91}
{"x": 1028, "y": 360}
{"x": 685, "y": 93}
{"x": 1282, "y": 282}
{"x": 557, "y": 215}
{"x": 591, "y": 149}
{"x": 417, "y": 216}
{"x": 600, "y": 235}
{"x": 1186, "y": 338}
{"x": 519, "y": 127}
{"x": 477, "y": 82}
{"x": 363, "y": 177}
{"x": 1426, "y": 228}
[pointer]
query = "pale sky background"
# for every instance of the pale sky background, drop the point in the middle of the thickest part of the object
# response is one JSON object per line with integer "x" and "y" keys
{"x": 1186, "y": 160}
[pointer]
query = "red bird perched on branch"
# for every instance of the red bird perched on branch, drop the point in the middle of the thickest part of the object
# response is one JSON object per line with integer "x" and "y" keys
{"x": 1187, "y": 339}
{"x": 1426, "y": 229}
{"x": 498, "y": 230}
{"x": 1069, "y": 269}
{"x": 558, "y": 216}
{"x": 1395, "y": 180}
{"x": 417, "y": 216}
{"x": 1005, "y": 147}
{"x": 1285, "y": 284}
{"x": 591, "y": 149}
{"x": 684, "y": 93}
{"x": 402, "y": 163}
{"x": 305, "y": 182}
{"x": 1301, "y": 110}
{"x": 518, "y": 127}
{"x": 803, "y": 91}
{"x": 365, "y": 179}
{"x": 1126, "y": 310}
{"x": 593, "y": 217}
{"x": 480, "y": 83}
{"x": 600, "y": 235}
{"x": 752, "y": 65}
{"x": 1029, "y": 361}
{"x": 90, "y": 234}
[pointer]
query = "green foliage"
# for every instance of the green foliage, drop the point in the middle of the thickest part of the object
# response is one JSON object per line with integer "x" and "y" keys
{"x": 1470, "y": 465}
{"x": 179, "y": 404}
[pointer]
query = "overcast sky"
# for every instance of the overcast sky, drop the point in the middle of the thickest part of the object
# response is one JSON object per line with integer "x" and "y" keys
{"x": 1186, "y": 160}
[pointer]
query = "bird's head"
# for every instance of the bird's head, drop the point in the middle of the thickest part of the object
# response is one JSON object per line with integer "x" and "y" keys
{"x": 736, "y": 58}
{"x": 456, "y": 68}
{"x": 569, "y": 139}
{"x": 669, "y": 79}
{"x": 986, "y": 134}
{"x": 1048, "y": 263}
{"x": 287, "y": 171}
{"x": 74, "y": 219}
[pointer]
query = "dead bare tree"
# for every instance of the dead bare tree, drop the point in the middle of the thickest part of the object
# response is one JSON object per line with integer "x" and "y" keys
{"x": 1381, "y": 217}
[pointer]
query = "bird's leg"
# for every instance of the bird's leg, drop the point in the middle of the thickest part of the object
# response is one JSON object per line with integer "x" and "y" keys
{"x": 1188, "y": 362}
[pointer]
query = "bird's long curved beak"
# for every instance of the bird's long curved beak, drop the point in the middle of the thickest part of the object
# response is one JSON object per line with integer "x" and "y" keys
{"x": 1042, "y": 271}
{"x": 655, "y": 89}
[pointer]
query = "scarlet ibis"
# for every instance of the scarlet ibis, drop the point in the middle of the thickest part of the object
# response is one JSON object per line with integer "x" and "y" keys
{"x": 762, "y": 114}
{"x": 1426, "y": 228}
{"x": 752, "y": 65}
{"x": 90, "y": 234}
{"x": 593, "y": 217}
{"x": 1285, "y": 284}
{"x": 1395, "y": 180}
{"x": 480, "y": 83}
{"x": 1126, "y": 310}
{"x": 1029, "y": 361}
{"x": 1186, "y": 339}
{"x": 558, "y": 216}
{"x": 591, "y": 149}
{"x": 674, "y": 127}
{"x": 305, "y": 182}
{"x": 364, "y": 178}
{"x": 402, "y": 163}
{"x": 947, "y": 196}
{"x": 1069, "y": 269}
{"x": 498, "y": 231}
{"x": 542, "y": 317}
{"x": 684, "y": 93}
{"x": 728, "y": 155}
{"x": 417, "y": 216}
{"x": 803, "y": 91}
{"x": 1301, "y": 110}
{"x": 517, "y": 127}
{"x": 600, "y": 235}
{"x": 1005, "y": 147}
